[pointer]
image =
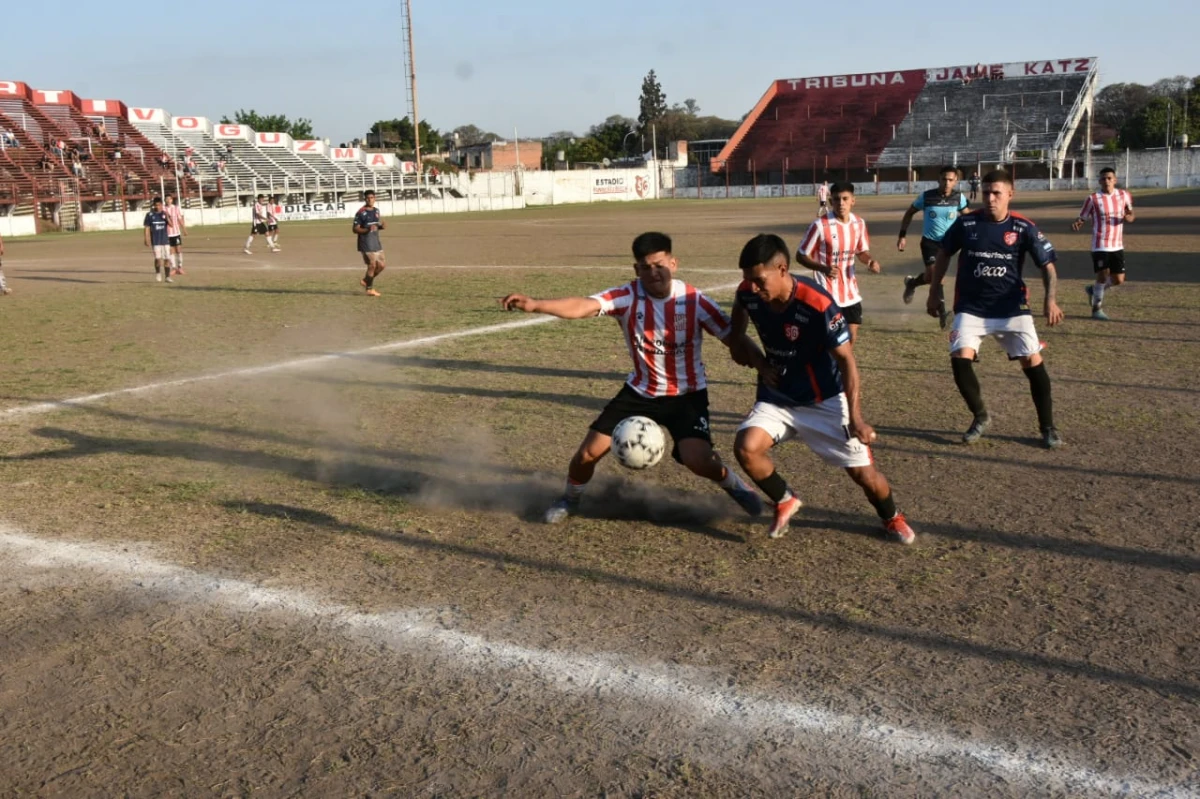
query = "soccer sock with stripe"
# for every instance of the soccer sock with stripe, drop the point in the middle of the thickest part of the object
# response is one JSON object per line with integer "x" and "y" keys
{"x": 249, "y": 241}
{"x": 1039, "y": 387}
{"x": 774, "y": 486}
{"x": 968, "y": 385}
{"x": 731, "y": 480}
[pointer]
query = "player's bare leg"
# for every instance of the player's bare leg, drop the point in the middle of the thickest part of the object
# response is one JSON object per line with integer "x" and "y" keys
{"x": 579, "y": 473}
{"x": 702, "y": 460}
{"x": 879, "y": 494}
{"x": 752, "y": 447}
{"x": 375, "y": 265}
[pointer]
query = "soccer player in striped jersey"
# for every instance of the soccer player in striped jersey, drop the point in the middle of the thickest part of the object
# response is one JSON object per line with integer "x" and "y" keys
{"x": 830, "y": 248}
{"x": 4, "y": 289}
{"x": 1109, "y": 209}
{"x": 274, "y": 209}
{"x": 176, "y": 230}
{"x": 808, "y": 384}
{"x": 258, "y": 223}
{"x": 664, "y": 321}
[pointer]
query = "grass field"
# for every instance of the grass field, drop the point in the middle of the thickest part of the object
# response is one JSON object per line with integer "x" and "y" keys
{"x": 327, "y": 577}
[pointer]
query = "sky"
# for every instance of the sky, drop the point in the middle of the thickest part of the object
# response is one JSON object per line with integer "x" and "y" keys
{"x": 537, "y": 67}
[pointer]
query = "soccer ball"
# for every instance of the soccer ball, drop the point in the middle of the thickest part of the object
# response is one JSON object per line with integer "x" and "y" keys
{"x": 638, "y": 442}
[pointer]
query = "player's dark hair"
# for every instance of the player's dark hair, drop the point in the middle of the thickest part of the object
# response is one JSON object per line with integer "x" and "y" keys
{"x": 156, "y": 200}
{"x": 841, "y": 186}
{"x": 650, "y": 243}
{"x": 949, "y": 170}
{"x": 1107, "y": 170}
{"x": 762, "y": 249}
{"x": 998, "y": 176}
{"x": 368, "y": 193}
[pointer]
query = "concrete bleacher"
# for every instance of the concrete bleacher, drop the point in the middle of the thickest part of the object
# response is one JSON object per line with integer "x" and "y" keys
{"x": 857, "y": 123}
{"x": 983, "y": 119}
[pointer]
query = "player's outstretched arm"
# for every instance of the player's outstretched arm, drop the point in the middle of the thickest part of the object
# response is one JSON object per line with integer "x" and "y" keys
{"x": 1054, "y": 314}
{"x": 858, "y": 427}
{"x": 563, "y": 308}
{"x": 902, "y": 239}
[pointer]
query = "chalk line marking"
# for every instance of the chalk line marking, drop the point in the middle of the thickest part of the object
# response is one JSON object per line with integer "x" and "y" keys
{"x": 598, "y": 675}
{"x": 299, "y": 363}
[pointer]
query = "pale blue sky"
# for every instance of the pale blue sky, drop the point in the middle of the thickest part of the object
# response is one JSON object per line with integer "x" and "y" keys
{"x": 542, "y": 66}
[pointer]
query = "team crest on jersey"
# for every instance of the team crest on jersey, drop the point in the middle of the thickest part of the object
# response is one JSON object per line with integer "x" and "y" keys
{"x": 681, "y": 321}
{"x": 792, "y": 332}
{"x": 1010, "y": 238}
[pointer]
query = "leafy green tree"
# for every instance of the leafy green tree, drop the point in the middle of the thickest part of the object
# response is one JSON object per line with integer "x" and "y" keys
{"x": 467, "y": 135}
{"x": 653, "y": 102}
{"x": 612, "y": 134}
{"x": 271, "y": 123}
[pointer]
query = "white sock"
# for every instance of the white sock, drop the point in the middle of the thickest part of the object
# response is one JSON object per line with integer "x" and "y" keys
{"x": 171, "y": 261}
{"x": 249, "y": 241}
{"x": 3, "y": 285}
{"x": 1108, "y": 283}
{"x": 179, "y": 259}
{"x": 731, "y": 480}
{"x": 1098, "y": 294}
{"x": 574, "y": 490}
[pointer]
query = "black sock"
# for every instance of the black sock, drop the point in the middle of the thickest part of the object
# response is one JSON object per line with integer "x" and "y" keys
{"x": 942, "y": 298}
{"x": 968, "y": 385}
{"x": 773, "y": 486}
{"x": 369, "y": 279}
{"x": 886, "y": 507}
{"x": 920, "y": 280}
{"x": 1039, "y": 387}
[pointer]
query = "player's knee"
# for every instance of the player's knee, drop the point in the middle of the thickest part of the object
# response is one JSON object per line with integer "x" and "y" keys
{"x": 1030, "y": 361}
{"x": 1118, "y": 279}
{"x": 696, "y": 454}
{"x": 746, "y": 446}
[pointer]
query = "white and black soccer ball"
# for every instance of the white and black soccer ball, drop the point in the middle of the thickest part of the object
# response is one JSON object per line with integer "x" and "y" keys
{"x": 638, "y": 442}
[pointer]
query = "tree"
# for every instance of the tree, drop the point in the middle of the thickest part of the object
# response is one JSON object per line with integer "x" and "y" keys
{"x": 653, "y": 102}
{"x": 466, "y": 135}
{"x": 397, "y": 134}
{"x": 272, "y": 123}
{"x": 611, "y": 135}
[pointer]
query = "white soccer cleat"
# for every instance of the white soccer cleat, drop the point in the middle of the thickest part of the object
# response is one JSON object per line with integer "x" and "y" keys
{"x": 158, "y": 277}
{"x": 247, "y": 251}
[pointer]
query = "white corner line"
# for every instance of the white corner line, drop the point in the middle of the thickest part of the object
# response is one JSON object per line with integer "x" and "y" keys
{"x": 691, "y": 691}
{"x": 299, "y": 363}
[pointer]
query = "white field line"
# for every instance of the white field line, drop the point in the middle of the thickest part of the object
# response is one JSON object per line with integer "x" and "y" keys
{"x": 601, "y": 675}
{"x": 299, "y": 363}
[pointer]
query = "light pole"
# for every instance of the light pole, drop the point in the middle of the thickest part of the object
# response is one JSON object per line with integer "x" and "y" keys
{"x": 625, "y": 141}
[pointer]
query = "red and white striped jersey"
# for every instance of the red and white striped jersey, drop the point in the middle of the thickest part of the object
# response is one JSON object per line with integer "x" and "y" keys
{"x": 833, "y": 243}
{"x": 174, "y": 216}
{"x": 1107, "y": 212}
{"x": 664, "y": 336}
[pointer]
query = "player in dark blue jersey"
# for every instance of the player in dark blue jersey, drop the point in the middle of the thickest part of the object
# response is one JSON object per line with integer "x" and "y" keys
{"x": 367, "y": 224}
{"x": 807, "y": 386}
{"x": 941, "y": 206}
{"x": 990, "y": 299}
{"x": 155, "y": 235}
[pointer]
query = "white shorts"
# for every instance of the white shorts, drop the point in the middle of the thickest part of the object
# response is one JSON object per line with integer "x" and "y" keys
{"x": 162, "y": 252}
{"x": 825, "y": 427}
{"x": 1015, "y": 334}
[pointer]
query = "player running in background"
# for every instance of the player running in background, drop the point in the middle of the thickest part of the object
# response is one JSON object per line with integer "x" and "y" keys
{"x": 974, "y": 183}
{"x": 990, "y": 299}
{"x": 176, "y": 230}
{"x": 808, "y": 384}
{"x": 664, "y": 321}
{"x": 823, "y": 199}
{"x": 273, "y": 211}
{"x": 258, "y": 223}
{"x": 830, "y": 248}
{"x": 941, "y": 207}
{"x": 154, "y": 229}
{"x": 367, "y": 224}
{"x": 4, "y": 289}
{"x": 1109, "y": 209}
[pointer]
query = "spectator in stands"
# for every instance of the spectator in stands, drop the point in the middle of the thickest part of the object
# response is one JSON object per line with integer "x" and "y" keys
{"x": 7, "y": 139}
{"x": 189, "y": 166}
{"x": 59, "y": 147}
{"x": 433, "y": 174}
{"x": 229, "y": 151}
{"x": 131, "y": 178}
{"x": 116, "y": 154}
{"x": 164, "y": 161}
{"x": 77, "y": 168}
{"x": 221, "y": 167}
{"x": 47, "y": 163}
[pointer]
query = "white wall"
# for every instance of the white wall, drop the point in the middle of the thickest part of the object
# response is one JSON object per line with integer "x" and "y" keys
{"x": 11, "y": 226}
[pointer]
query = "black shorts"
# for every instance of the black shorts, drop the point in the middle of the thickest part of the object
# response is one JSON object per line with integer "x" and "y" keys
{"x": 175, "y": 241}
{"x": 272, "y": 228}
{"x": 852, "y": 313}
{"x": 259, "y": 228}
{"x": 929, "y": 250}
{"x": 684, "y": 416}
{"x": 1113, "y": 261}
{"x": 823, "y": 202}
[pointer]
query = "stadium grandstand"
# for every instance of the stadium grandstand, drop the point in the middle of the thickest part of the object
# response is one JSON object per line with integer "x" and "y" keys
{"x": 898, "y": 124}
{"x": 62, "y": 155}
